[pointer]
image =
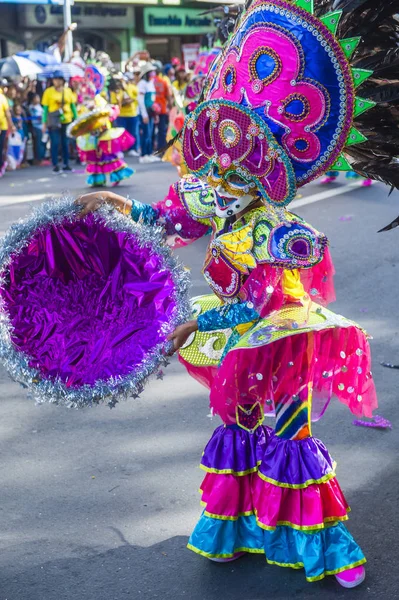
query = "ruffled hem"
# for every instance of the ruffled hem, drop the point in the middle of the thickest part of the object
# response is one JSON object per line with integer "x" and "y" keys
{"x": 96, "y": 179}
{"x": 227, "y": 497}
{"x": 326, "y": 552}
{"x": 307, "y": 509}
{"x": 123, "y": 173}
{"x": 286, "y": 463}
{"x": 232, "y": 450}
{"x": 106, "y": 167}
{"x": 296, "y": 464}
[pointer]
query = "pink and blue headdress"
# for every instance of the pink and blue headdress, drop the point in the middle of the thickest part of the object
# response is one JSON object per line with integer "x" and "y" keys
{"x": 282, "y": 106}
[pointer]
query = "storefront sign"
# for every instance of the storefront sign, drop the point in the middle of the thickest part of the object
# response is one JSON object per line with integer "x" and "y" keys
{"x": 176, "y": 21}
{"x": 92, "y": 16}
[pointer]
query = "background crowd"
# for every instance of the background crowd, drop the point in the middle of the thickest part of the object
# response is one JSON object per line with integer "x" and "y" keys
{"x": 145, "y": 92}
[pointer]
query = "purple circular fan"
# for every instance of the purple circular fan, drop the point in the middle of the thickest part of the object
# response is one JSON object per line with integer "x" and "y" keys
{"x": 86, "y": 304}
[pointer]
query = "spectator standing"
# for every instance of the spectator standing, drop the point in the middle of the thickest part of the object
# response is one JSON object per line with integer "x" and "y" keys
{"x": 129, "y": 111}
{"x": 115, "y": 92}
{"x": 36, "y": 116}
{"x": 163, "y": 101}
{"x": 11, "y": 94}
{"x": 169, "y": 74}
{"x": 59, "y": 110}
{"x": 180, "y": 83}
{"x": 146, "y": 102}
{"x": 17, "y": 141}
{"x": 6, "y": 125}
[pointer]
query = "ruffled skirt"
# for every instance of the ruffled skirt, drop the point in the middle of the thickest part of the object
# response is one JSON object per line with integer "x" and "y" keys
{"x": 267, "y": 495}
{"x": 275, "y": 492}
{"x": 104, "y": 156}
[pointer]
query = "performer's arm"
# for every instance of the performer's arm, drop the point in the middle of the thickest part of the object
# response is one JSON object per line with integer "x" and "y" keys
{"x": 180, "y": 228}
{"x": 227, "y": 316}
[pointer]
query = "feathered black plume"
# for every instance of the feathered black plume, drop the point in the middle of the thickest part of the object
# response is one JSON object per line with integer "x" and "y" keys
{"x": 392, "y": 225}
{"x": 168, "y": 145}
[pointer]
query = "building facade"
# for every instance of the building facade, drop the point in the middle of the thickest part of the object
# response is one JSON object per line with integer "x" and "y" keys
{"x": 118, "y": 28}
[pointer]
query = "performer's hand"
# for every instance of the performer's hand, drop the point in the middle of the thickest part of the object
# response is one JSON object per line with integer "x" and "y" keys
{"x": 91, "y": 202}
{"x": 181, "y": 334}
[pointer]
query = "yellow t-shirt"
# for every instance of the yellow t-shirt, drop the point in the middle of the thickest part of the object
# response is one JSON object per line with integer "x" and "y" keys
{"x": 130, "y": 110}
{"x": 3, "y": 112}
{"x": 179, "y": 86}
{"x": 53, "y": 100}
{"x": 116, "y": 98}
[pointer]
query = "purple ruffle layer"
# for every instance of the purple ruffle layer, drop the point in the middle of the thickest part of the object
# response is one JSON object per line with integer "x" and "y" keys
{"x": 288, "y": 462}
{"x": 296, "y": 462}
{"x": 235, "y": 450}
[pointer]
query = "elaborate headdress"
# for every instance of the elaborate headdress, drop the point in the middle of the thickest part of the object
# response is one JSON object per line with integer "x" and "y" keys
{"x": 97, "y": 75}
{"x": 283, "y": 104}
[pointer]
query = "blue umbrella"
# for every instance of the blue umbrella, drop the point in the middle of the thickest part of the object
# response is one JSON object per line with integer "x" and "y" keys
{"x": 68, "y": 70}
{"x": 40, "y": 58}
{"x": 19, "y": 66}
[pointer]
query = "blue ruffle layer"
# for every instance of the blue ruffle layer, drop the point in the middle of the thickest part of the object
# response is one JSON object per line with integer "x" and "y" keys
{"x": 326, "y": 552}
{"x": 96, "y": 179}
{"x": 124, "y": 173}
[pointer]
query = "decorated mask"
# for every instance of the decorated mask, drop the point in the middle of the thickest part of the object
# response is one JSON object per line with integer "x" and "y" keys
{"x": 227, "y": 205}
{"x": 278, "y": 109}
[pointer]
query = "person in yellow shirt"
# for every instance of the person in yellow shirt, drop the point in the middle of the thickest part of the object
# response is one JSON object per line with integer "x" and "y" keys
{"x": 129, "y": 111}
{"x": 6, "y": 125}
{"x": 115, "y": 92}
{"x": 59, "y": 111}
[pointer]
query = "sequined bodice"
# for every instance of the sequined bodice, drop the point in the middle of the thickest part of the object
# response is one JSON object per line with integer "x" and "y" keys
{"x": 229, "y": 260}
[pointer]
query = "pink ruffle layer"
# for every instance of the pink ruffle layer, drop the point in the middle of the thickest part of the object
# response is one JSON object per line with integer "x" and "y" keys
{"x": 107, "y": 167}
{"x": 228, "y": 496}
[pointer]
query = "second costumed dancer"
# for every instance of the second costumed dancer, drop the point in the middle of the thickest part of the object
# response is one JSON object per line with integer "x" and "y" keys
{"x": 277, "y": 113}
{"x": 100, "y": 145}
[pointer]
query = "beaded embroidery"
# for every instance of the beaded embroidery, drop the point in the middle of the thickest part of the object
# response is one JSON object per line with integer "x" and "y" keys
{"x": 284, "y": 89}
{"x": 222, "y": 138}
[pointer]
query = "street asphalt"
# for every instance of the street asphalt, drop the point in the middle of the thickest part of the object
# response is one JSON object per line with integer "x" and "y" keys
{"x": 98, "y": 504}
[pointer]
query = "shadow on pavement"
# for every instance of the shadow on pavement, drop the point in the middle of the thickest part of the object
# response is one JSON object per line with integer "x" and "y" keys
{"x": 165, "y": 570}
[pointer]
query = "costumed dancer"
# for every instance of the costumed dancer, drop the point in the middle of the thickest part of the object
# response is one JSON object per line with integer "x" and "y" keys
{"x": 100, "y": 145}
{"x": 272, "y": 120}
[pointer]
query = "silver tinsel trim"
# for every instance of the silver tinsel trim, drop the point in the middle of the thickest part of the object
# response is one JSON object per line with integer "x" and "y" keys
{"x": 104, "y": 391}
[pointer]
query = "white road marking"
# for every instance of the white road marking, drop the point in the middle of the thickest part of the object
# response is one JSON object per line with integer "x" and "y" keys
{"x": 330, "y": 193}
{"x": 11, "y": 200}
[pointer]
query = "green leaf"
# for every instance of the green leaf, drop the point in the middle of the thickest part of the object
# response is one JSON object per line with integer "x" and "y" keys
{"x": 306, "y": 5}
{"x": 360, "y": 75}
{"x": 349, "y": 45}
{"x": 341, "y": 164}
{"x": 355, "y": 137}
{"x": 361, "y": 105}
{"x": 331, "y": 20}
